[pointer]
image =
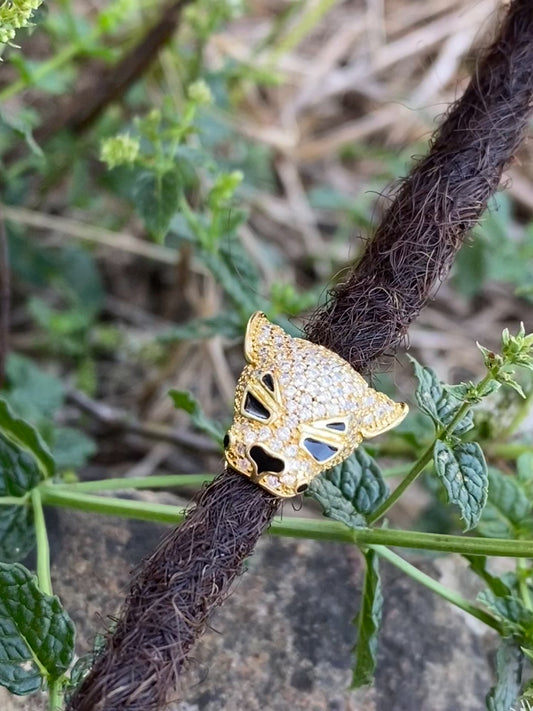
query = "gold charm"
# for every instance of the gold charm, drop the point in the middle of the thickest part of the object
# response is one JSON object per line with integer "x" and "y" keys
{"x": 299, "y": 409}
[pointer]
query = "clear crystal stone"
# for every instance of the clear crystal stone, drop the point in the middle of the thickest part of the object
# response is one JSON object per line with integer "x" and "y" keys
{"x": 272, "y": 481}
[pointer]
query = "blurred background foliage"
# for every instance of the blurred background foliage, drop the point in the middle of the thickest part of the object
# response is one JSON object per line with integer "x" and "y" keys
{"x": 165, "y": 173}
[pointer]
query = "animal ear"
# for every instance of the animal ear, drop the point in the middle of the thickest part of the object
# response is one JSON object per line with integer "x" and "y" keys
{"x": 259, "y": 336}
{"x": 380, "y": 413}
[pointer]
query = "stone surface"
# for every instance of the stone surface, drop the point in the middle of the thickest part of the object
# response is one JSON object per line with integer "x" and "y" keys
{"x": 283, "y": 639}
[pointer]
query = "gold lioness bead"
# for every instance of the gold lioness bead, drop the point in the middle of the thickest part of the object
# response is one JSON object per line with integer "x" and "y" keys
{"x": 299, "y": 409}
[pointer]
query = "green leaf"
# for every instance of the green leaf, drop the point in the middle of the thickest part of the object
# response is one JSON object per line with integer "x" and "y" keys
{"x": 226, "y": 323}
{"x": 81, "y": 278}
{"x": 23, "y": 123}
{"x": 478, "y": 563}
{"x": 509, "y": 663}
{"x": 358, "y": 480}
{"x": 508, "y": 510}
{"x": 37, "y": 634}
{"x": 71, "y": 448}
{"x": 19, "y": 470}
{"x": 61, "y": 323}
{"x": 156, "y": 199}
{"x": 24, "y": 436}
{"x": 183, "y": 400}
{"x": 368, "y": 624}
{"x": 243, "y": 296}
{"x": 334, "y": 503}
{"x": 17, "y": 534}
{"x": 524, "y": 470}
{"x": 438, "y": 401}
{"x": 19, "y": 473}
{"x": 463, "y": 471}
{"x": 510, "y": 610}
{"x": 33, "y": 393}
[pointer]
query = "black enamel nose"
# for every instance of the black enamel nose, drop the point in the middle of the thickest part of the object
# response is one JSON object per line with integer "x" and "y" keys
{"x": 265, "y": 462}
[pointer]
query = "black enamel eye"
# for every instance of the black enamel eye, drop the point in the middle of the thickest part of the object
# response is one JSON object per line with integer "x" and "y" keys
{"x": 265, "y": 461}
{"x": 253, "y": 407}
{"x": 268, "y": 380}
{"x": 339, "y": 426}
{"x": 319, "y": 450}
{"x": 302, "y": 488}
{"x": 225, "y": 441}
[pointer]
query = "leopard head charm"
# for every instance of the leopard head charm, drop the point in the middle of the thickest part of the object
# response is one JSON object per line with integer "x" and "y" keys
{"x": 299, "y": 409}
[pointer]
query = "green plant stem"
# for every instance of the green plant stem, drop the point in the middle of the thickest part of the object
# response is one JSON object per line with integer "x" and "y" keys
{"x": 54, "y": 697}
{"x": 45, "y": 580}
{"x": 40, "y": 72}
{"x": 398, "y": 470}
{"x": 507, "y": 450}
{"x": 520, "y": 415}
{"x": 110, "y": 506}
{"x": 427, "y": 457}
{"x": 50, "y": 65}
{"x": 411, "y": 477}
{"x": 522, "y": 575}
{"x": 317, "y": 529}
{"x": 43, "y": 549}
{"x": 144, "y": 482}
{"x": 437, "y": 587}
{"x": 13, "y": 500}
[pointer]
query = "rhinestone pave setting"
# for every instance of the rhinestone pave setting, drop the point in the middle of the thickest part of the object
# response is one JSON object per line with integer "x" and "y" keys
{"x": 299, "y": 410}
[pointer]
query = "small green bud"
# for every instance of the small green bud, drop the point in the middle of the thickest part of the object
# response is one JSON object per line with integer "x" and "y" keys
{"x": 14, "y": 15}
{"x": 224, "y": 188}
{"x": 516, "y": 351}
{"x": 6, "y": 34}
{"x": 119, "y": 150}
{"x": 199, "y": 93}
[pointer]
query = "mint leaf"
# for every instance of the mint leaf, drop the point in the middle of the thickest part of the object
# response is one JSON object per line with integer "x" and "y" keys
{"x": 19, "y": 470}
{"x": 37, "y": 635}
{"x": 33, "y": 393}
{"x": 24, "y": 436}
{"x": 463, "y": 471}
{"x": 183, "y": 400}
{"x": 156, "y": 199}
{"x": 509, "y": 609}
{"x": 19, "y": 473}
{"x": 71, "y": 448}
{"x": 508, "y": 510}
{"x": 17, "y": 535}
{"x": 360, "y": 481}
{"x": 478, "y": 564}
{"x": 243, "y": 297}
{"x": 439, "y": 401}
{"x": 509, "y": 663}
{"x": 227, "y": 324}
{"x": 368, "y": 623}
{"x": 351, "y": 490}
{"x": 334, "y": 503}
{"x": 524, "y": 470}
